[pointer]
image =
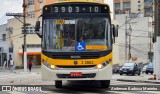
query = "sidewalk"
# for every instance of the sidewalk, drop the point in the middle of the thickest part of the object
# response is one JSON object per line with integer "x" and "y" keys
{"x": 36, "y": 70}
{"x": 143, "y": 78}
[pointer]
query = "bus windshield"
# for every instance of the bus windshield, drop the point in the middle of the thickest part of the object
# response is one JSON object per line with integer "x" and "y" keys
{"x": 61, "y": 35}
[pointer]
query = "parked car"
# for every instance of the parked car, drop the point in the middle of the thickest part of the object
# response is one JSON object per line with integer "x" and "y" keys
{"x": 116, "y": 70}
{"x": 144, "y": 69}
{"x": 149, "y": 68}
{"x": 130, "y": 68}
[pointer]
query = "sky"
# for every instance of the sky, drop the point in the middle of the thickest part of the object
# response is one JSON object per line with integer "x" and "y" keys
{"x": 110, "y": 2}
{"x": 9, "y": 6}
{"x": 15, "y": 6}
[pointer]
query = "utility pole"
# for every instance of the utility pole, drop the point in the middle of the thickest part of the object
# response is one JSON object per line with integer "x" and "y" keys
{"x": 154, "y": 36}
{"x": 126, "y": 41}
{"x": 150, "y": 54}
{"x": 127, "y": 54}
{"x": 157, "y": 39}
{"x": 24, "y": 46}
{"x": 151, "y": 36}
{"x": 129, "y": 33}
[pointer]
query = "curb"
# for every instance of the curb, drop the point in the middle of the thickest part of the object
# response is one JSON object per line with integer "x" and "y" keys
{"x": 26, "y": 72}
{"x": 138, "y": 81}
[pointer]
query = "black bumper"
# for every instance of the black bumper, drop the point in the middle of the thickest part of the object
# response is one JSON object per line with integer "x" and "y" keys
{"x": 126, "y": 72}
{"x": 149, "y": 71}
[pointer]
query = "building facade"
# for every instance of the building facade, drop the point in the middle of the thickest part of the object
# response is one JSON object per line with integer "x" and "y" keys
{"x": 141, "y": 35}
{"x": 34, "y": 7}
{"x": 139, "y": 17}
{"x": 142, "y": 7}
{"x": 32, "y": 40}
{"x": 6, "y": 45}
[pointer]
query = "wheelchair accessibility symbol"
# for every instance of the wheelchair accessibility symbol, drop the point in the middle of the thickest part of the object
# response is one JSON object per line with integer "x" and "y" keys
{"x": 80, "y": 46}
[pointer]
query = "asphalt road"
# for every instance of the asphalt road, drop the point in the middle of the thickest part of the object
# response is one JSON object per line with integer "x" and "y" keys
{"x": 33, "y": 79}
{"x": 80, "y": 87}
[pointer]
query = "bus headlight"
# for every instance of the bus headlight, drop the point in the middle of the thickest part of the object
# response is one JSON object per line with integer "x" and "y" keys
{"x": 99, "y": 66}
{"x": 102, "y": 65}
{"x": 53, "y": 67}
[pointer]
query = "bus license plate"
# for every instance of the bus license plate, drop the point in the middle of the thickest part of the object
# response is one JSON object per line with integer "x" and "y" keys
{"x": 75, "y": 74}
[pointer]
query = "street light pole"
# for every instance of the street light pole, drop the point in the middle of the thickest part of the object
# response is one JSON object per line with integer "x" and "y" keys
{"x": 126, "y": 40}
{"x": 24, "y": 46}
{"x": 129, "y": 33}
{"x": 150, "y": 44}
{"x": 157, "y": 39}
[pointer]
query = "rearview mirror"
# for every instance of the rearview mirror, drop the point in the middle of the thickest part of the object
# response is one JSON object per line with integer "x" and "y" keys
{"x": 115, "y": 30}
{"x": 37, "y": 27}
{"x": 153, "y": 40}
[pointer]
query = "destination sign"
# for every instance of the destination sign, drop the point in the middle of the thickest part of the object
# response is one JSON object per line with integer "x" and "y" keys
{"x": 76, "y": 8}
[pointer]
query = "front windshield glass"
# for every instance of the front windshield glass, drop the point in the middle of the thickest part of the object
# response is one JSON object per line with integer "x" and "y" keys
{"x": 150, "y": 65}
{"x": 61, "y": 35}
{"x": 128, "y": 64}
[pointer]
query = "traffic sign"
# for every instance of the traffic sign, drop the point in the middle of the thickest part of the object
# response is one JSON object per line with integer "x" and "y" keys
{"x": 80, "y": 46}
{"x": 14, "y": 14}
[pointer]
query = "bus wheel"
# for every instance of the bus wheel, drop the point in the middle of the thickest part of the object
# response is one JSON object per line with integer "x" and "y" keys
{"x": 105, "y": 83}
{"x": 121, "y": 73}
{"x": 133, "y": 73}
{"x": 58, "y": 84}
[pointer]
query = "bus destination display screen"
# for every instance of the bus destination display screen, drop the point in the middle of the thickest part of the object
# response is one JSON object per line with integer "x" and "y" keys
{"x": 79, "y": 8}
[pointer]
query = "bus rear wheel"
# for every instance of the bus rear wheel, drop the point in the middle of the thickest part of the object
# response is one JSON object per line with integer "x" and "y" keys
{"x": 105, "y": 83}
{"x": 58, "y": 84}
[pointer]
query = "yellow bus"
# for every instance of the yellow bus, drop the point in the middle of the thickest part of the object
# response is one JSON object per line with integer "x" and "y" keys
{"x": 77, "y": 40}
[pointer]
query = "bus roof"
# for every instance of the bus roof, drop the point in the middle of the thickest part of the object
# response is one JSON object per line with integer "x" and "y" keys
{"x": 76, "y": 1}
{"x": 81, "y": 0}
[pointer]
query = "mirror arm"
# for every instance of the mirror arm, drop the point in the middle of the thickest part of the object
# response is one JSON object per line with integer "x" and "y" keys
{"x": 39, "y": 17}
{"x": 39, "y": 35}
{"x": 114, "y": 40}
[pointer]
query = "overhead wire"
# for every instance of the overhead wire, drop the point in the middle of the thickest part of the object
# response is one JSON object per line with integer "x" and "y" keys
{"x": 11, "y": 38}
{"x": 133, "y": 48}
{"x": 134, "y": 30}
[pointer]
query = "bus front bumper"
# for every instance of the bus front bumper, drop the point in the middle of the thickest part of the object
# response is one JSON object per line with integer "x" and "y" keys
{"x": 88, "y": 74}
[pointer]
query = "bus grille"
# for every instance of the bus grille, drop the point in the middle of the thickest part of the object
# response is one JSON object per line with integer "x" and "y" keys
{"x": 87, "y": 66}
{"x": 93, "y": 56}
{"x": 91, "y": 75}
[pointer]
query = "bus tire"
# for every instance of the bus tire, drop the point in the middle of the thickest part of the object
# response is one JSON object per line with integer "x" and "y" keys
{"x": 139, "y": 73}
{"x": 58, "y": 84}
{"x": 121, "y": 73}
{"x": 105, "y": 83}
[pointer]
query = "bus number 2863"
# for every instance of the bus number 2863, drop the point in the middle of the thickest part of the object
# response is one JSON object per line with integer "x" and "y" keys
{"x": 87, "y": 62}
